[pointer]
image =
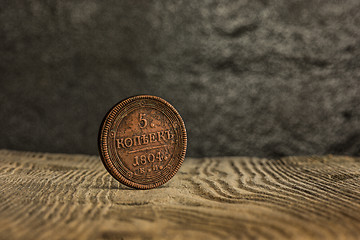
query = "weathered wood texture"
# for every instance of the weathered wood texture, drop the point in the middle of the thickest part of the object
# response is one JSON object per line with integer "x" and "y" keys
{"x": 58, "y": 196}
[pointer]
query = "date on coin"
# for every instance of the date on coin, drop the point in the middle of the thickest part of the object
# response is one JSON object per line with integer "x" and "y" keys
{"x": 142, "y": 141}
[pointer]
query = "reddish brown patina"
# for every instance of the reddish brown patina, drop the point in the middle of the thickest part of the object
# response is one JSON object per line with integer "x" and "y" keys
{"x": 142, "y": 141}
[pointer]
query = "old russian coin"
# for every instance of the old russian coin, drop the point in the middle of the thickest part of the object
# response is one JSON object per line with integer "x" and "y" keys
{"x": 142, "y": 141}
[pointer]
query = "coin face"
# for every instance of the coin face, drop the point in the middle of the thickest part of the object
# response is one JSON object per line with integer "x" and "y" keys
{"x": 142, "y": 141}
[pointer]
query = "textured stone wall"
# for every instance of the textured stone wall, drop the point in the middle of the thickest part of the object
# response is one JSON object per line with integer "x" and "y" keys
{"x": 257, "y": 78}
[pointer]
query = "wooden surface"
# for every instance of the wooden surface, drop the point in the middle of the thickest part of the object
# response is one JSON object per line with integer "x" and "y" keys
{"x": 58, "y": 196}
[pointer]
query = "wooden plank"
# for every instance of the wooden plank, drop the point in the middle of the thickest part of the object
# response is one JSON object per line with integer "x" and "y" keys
{"x": 58, "y": 196}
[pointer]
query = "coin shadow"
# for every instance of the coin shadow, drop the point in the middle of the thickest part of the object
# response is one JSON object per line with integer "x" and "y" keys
{"x": 126, "y": 188}
{"x": 114, "y": 188}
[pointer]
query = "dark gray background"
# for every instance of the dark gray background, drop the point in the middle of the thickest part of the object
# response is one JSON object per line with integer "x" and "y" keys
{"x": 258, "y": 78}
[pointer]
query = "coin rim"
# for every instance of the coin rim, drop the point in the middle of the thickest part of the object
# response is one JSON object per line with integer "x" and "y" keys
{"x": 102, "y": 142}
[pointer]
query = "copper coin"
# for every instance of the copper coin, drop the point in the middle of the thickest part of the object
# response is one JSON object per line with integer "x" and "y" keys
{"x": 142, "y": 141}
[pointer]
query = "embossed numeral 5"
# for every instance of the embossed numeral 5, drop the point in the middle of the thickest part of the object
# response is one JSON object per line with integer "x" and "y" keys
{"x": 143, "y": 121}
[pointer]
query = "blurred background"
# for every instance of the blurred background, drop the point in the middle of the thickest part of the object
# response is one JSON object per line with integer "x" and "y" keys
{"x": 256, "y": 78}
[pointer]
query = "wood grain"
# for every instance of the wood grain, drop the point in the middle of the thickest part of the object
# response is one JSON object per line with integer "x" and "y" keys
{"x": 58, "y": 196}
